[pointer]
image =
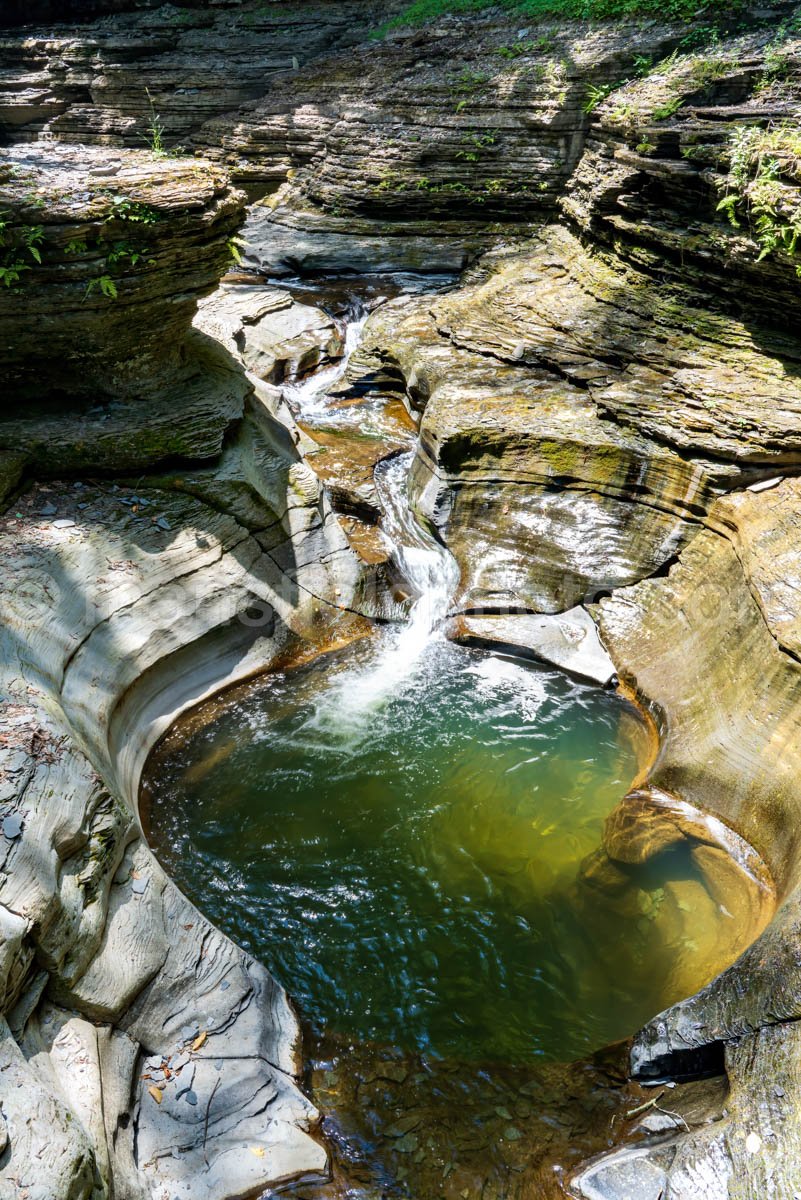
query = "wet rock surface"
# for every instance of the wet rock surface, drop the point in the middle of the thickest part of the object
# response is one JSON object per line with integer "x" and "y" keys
{"x": 594, "y": 402}
{"x": 569, "y": 641}
{"x": 93, "y": 924}
{"x": 275, "y": 338}
{"x": 543, "y": 502}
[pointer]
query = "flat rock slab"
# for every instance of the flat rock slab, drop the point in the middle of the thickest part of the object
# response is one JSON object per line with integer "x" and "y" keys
{"x": 568, "y": 640}
{"x": 275, "y": 337}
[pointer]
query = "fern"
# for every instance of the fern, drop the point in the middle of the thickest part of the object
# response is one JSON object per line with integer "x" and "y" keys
{"x": 105, "y": 284}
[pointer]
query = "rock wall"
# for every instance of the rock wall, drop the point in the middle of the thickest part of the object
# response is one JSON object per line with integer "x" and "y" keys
{"x": 16, "y": 13}
{"x": 677, "y": 179}
{"x": 143, "y": 1053}
{"x": 110, "y": 256}
{"x": 106, "y": 82}
{"x": 480, "y": 118}
{"x": 711, "y": 650}
{"x": 594, "y": 404}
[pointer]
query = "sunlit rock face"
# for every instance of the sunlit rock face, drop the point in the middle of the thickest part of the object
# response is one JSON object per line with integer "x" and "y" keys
{"x": 468, "y": 120}
{"x": 672, "y": 165}
{"x": 407, "y": 152}
{"x": 544, "y": 502}
{"x": 585, "y": 400}
{"x": 276, "y": 338}
{"x": 111, "y": 255}
{"x": 125, "y": 245}
{"x": 106, "y": 967}
{"x": 126, "y": 596}
{"x": 103, "y": 81}
{"x": 577, "y": 418}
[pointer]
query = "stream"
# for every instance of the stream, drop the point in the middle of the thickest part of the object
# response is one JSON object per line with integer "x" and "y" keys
{"x": 406, "y": 833}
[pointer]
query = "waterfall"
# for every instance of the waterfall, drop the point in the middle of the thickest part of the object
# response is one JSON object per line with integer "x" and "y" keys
{"x": 431, "y": 573}
{"x": 308, "y": 397}
{"x": 349, "y": 709}
{"x": 424, "y": 562}
{"x": 429, "y": 569}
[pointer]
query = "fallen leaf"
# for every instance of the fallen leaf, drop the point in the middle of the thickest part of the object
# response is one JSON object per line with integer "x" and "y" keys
{"x": 257, "y": 1150}
{"x": 156, "y": 1093}
{"x": 199, "y": 1040}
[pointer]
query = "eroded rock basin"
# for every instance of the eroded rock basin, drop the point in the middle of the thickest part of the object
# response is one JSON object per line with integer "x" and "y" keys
{"x": 414, "y": 855}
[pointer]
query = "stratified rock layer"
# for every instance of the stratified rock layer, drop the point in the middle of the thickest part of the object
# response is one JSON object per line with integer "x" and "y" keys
{"x": 481, "y": 118}
{"x": 111, "y": 255}
{"x": 174, "y": 67}
{"x": 586, "y": 400}
{"x": 143, "y": 1052}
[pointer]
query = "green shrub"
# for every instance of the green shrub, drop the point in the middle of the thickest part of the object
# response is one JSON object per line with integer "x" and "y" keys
{"x": 420, "y": 11}
{"x": 762, "y": 186}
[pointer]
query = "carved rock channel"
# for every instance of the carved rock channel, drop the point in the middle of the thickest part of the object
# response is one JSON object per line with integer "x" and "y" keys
{"x": 609, "y": 420}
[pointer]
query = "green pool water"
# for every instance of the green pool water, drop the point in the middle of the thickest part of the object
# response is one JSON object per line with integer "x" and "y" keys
{"x": 405, "y": 853}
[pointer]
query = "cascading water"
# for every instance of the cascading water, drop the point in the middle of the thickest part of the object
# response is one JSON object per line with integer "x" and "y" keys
{"x": 308, "y": 397}
{"x": 432, "y": 574}
{"x": 428, "y": 568}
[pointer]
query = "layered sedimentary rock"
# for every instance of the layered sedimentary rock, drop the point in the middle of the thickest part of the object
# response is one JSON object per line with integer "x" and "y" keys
{"x": 404, "y": 154}
{"x": 482, "y": 118}
{"x": 279, "y": 338}
{"x": 276, "y": 338}
{"x": 569, "y": 641}
{"x": 543, "y": 502}
{"x": 169, "y": 68}
{"x": 710, "y": 651}
{"x": 603, "y": 364}
{"x": 586, "y": 399}
{"x": 165, "y": 1053}
{"x": 692, "y": 171}
{"x": 109, "y": 258}
{"x": 143, "y": 1053}
{"x": 16, "y": 12}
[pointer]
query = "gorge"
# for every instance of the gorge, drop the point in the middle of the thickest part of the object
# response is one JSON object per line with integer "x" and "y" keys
{"x": 436, "y": 380}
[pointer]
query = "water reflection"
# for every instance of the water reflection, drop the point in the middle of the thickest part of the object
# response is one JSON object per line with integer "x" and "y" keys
{"x": 435, "y": 889}
{"x": 426, "y": 879}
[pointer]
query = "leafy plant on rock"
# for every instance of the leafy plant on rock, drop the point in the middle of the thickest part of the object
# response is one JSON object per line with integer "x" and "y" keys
{"x": 104, "y": 284}
{"x": 762, "y": 187}
{"x": 595, "y": 93}
{"x": 18, "y": 245}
